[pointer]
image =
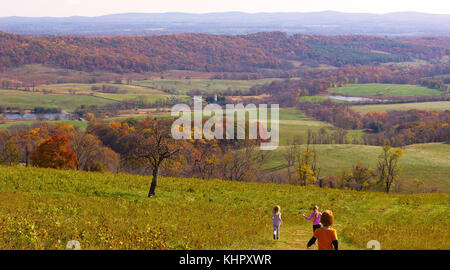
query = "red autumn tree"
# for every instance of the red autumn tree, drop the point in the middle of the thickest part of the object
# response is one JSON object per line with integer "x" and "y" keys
{"x": 55, "y": 152}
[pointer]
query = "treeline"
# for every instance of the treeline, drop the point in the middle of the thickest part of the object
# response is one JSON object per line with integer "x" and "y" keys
{"x": 338, "y": 114}
{"x": 112, "y": 109}
{"x": 36, "y": 110}
{"x": 218, "y": 53}
{"x": 434, "y": 83}
{"x": 396, "y": 128}
{"x": 142, "y": 147}
{"x": 42, "y": 110}
{"x": 56, "y": 146}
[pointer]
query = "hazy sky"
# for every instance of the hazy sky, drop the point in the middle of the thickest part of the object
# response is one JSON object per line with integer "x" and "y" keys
{"x": 63, "y": 8}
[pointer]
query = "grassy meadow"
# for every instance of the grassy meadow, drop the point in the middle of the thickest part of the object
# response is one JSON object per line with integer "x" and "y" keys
{"x": 45, "y": 74}
{"x": 45, "y": 208}
{"x": 293, "y": 123}
{"x": 64, "y": 88}
{"x": 124, "y": 91}
{"x": 427, "y": 162}
{"x": 80, "y": 124}
{"x": 374, "y": 89}
{"x": 30, "y": 100}
{"x": 317, "y": 99}
{"x": 60, "y": 96}
{"x": 40, "y": 74}
{"x": 205, "y": 85}
{"x": 431, "y": 106}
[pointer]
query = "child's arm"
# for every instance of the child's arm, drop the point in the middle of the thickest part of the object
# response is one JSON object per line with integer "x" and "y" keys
{"x": 335, "y": 240}
{"x": 335, "y": 244}
{"x": 308, "y": 218}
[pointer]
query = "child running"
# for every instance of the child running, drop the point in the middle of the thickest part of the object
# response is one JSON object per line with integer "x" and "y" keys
{"x": 326, "y": 235}
{"x": 315, "y": 215}
{"x": 276, "y": 216}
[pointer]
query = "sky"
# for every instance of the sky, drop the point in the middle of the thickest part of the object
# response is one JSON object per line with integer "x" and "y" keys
{"x": 65, "y": 8}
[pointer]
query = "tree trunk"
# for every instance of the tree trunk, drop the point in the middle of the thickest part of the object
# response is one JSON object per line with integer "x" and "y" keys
{"x": 27, "y": 157}
{"x": 289, "y": 175}
{"x": 151, "y": 192}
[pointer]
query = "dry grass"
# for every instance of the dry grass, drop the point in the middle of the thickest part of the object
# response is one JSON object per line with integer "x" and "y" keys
{"x": 45, "y": 208}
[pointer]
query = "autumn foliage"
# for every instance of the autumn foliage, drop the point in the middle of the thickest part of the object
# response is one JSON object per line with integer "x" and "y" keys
{"x": 55, "y": 152}
{"x": 273, "y": 50}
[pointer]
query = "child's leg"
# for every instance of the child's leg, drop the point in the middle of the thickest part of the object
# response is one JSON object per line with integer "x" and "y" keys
{"x": 278, "y": 231}
{"x": 274, "y": 232}
{"x": 311, "y": 240}
{"x": 315, "y": 227}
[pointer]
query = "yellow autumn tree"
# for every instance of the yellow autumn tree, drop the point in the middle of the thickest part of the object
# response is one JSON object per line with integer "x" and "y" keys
{"x": 307, "y": 169}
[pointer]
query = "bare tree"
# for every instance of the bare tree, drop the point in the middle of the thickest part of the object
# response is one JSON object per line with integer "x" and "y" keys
{"x": 290, "y": 155}
{"x": 154, "y": 145}
{"x": 388, "y": 167}
{"x": 239, "y": 164}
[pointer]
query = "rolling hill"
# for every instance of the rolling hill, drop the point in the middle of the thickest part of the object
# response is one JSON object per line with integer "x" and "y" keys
{"x": 427, "y": 162}
{"x": 384, "y": 89}
{"x": 45, "y": 208}
{"x": 218, "y": 53}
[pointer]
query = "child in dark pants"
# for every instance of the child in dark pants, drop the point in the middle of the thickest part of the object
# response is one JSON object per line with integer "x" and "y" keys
{"x": 315, "y": 216}
{"x": 326, "y": 235}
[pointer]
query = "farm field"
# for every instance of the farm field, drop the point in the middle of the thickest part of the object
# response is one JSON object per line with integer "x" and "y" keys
{"x": 427, "y": 162}
{"x": 122, "y": 97}
{"x": 317, "y": 99}
{"x": 30, "y": 100}
{"x": 124, "y": 91}
{"x": 42, "y": 74}
{"x": 45, "y": 74}
{"x": 64, "y": 88}
{"x": 45, "y": 208}
{"x": 80, "y": 124}
{"x": 60, "y": 95}
{"x": 297, "y": 127}
{"x": 209, "y": 86}
{"x": 433, "y": 106}
{"x": 374, "y": 89}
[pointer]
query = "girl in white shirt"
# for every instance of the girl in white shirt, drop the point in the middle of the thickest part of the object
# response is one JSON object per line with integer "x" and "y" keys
{"x": 276, "y": 216}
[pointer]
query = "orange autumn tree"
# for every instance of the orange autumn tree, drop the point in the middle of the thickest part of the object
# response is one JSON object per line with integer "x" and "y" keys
{"x": 55, "y": 152}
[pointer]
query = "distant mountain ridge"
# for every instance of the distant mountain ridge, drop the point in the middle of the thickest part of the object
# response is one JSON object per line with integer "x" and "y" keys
{"x": 319, "y": 23}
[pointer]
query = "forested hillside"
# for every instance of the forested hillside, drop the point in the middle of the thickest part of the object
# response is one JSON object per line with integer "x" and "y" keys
{"x": 201, "y": 52}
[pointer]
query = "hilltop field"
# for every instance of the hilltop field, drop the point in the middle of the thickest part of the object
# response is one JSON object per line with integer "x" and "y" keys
{"x": 434, "y": 106}
{"x": 45, "y": 208}
{"x": 208, "y": 86}
{"x": 427, "y": 162}
{"x": 70, "y": 96}
{"x": 374, "y": 89}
